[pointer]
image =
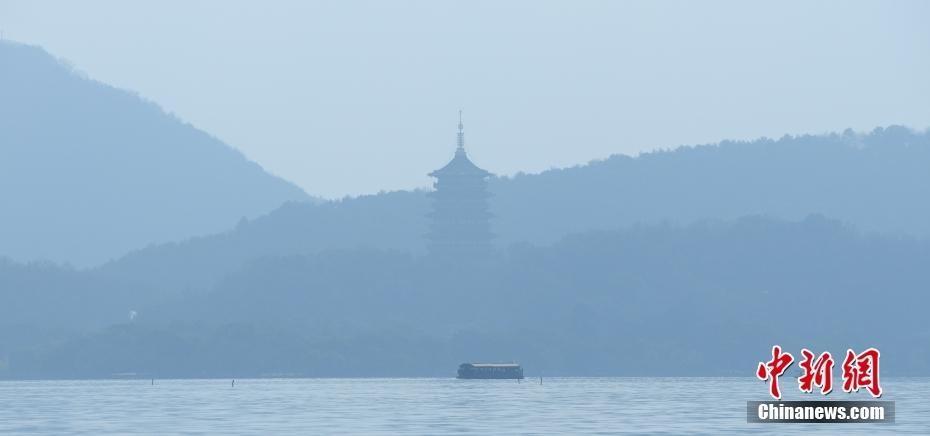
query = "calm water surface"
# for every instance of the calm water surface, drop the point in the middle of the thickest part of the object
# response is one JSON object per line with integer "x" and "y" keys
{"x": 424, "y": 406}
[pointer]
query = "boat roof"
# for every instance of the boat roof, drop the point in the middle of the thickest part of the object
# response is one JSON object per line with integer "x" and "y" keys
{"x": 494, "y": 365}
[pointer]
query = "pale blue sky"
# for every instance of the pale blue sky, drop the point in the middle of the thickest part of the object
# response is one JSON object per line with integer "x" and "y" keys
{"x": 349, "y": 97}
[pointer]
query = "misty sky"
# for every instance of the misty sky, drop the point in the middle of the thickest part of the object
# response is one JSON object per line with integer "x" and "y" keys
{"x": 348, "y": 97}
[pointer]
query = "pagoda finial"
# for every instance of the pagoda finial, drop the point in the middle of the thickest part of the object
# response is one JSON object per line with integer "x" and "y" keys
{"x": 461, "y": 140}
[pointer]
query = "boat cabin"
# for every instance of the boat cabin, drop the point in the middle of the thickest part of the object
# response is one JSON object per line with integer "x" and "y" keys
{"x": 490, "y": 371}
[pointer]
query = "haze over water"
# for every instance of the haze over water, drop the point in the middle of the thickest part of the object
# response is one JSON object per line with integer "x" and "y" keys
{"x": 425, "y": 406}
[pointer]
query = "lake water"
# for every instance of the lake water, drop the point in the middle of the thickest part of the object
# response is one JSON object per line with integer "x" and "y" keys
{"x": 425, "y": 406}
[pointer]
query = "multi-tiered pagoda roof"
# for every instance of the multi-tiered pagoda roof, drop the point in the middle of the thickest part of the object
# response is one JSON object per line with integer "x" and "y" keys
{"x": 460, "y": 222}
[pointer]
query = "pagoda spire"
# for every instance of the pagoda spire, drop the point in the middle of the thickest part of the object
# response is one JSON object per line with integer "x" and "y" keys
{"x": 461, "y": 139}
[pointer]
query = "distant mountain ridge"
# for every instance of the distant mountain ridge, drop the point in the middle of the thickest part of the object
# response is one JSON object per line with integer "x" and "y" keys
{"x": 878, "y": 182}
{"x": 89, "y": 172}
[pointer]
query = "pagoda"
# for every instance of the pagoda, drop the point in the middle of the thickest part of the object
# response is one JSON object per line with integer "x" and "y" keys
{"x": 460, "y": 227}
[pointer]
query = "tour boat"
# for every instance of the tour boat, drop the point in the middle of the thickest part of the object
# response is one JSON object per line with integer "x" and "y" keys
{"x": 490, "y": 371}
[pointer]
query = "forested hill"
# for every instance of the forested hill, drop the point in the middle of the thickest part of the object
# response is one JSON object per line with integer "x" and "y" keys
{"x": 878, "y": 182}
{"x": 704, "y": 299}
{"x": 89, "y": 172}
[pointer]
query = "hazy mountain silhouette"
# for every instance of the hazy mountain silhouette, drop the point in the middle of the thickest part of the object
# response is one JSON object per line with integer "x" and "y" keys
{"x": 685, "y": 262}
{"x": 395, "y": 220}
{"x": 89, "y": 172}
{"x": 704, "y": 299}
{"x": 877, "y": 182}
